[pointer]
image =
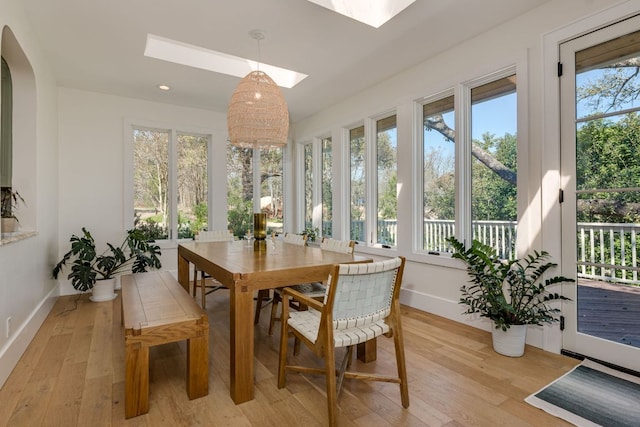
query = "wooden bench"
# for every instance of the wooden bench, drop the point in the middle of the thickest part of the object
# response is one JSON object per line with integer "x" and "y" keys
{"x": 157, "y": 310}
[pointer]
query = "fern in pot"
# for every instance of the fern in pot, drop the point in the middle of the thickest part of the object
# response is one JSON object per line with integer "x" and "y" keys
{"x": 91, "y": 270}
{"x": 510, "y": 293}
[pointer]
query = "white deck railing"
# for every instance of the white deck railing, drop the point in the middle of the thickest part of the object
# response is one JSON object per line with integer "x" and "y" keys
{"x": 608, "y": 251}
{"x": 605, "y": 251}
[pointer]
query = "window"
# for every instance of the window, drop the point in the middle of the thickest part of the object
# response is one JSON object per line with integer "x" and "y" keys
{"x": 249, "y": 173}
{"x": 6, "y": 143}
{"x": 239, "y": 189}
{"x": 494, "y": 175}
{"x": 308, "y": 186}
{"x": 193, "y": 191}
{"x": 327, "y": 193}
{"x": 170, "y": 192}
{"x": 271, "y": 189}
{"x": 358, "y": 188}
{"x": 387, "y": 180}
{"x": 438, "y": 173}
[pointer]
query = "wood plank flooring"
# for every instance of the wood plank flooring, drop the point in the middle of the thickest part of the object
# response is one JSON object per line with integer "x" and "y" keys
{"x": 72, "y": 374}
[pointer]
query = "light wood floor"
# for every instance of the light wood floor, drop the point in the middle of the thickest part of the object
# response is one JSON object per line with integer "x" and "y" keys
{"x": 73, "y": 375}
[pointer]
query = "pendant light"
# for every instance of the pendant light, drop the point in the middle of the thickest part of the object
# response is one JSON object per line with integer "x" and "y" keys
{"x": 258, "y": 116}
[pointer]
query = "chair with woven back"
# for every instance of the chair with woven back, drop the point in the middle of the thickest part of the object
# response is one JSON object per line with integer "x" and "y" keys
{"x": 361, "y": 303}
{"x": 207, "y": 283}
{"x": 263, "y": 295}
{"x": 314, "y": 289}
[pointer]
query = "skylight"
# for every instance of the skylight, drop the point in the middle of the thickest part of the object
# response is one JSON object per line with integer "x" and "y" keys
{"x": 199, "y": 57}
{"x": 370, "y": 12}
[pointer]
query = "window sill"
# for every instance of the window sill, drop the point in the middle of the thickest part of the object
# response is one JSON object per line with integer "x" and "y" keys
{"x": 16, "y": 237}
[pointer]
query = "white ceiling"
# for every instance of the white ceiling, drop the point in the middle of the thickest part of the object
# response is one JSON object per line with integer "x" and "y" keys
{"x": 97, "y": 45}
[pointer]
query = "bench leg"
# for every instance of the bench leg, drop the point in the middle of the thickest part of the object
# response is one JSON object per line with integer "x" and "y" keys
{"x": 136, "y": 392}
{"x": 198, "y": 366}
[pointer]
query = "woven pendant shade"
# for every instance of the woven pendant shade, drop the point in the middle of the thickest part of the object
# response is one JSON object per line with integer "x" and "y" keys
{"x": 258, "y": 116}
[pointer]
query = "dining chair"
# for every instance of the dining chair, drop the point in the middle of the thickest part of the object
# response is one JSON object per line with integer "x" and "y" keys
{"x": 314, "y": 289}
{"x": 295, "y": 239}
{"x": 263, "y": 294}
{"x": 207, "y": 283}
{"x": 361, "y": 303}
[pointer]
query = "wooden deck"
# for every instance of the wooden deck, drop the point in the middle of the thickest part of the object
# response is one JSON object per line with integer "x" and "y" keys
{"x": 609, "y": 311}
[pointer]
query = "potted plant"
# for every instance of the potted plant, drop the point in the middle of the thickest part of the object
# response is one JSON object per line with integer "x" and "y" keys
{"x": 9, "y": 204}
{"x": 509, "y": 293}
{"x": 311, "y": 233}
{"x": 135, "y": 254}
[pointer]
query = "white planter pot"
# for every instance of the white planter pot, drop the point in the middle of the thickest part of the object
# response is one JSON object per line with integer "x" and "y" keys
{"x": 9, "y": 225}
{"x": 510, "y": 342}
{"x": 103, "y": 290}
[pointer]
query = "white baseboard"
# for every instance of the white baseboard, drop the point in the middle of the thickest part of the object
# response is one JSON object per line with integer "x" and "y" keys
{"x": 452, "y": 310}
{"x": 441, "y": 307}
{"x": 11, "y": 352}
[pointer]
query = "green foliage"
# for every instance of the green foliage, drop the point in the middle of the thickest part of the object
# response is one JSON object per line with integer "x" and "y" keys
{"x": 201, "y": 211}
{"x": 150, "y": 229}
{"x": 240, "y": 217}
{"x": 492, "y": 197}
{"x": 10, "y": 202}
{"x": 134, "y": 254}
{"x": 311, "y": 233}
{"x": 507, "y": 292}
{"x": 388, "y": 201}
{"x": 608, "y": 157}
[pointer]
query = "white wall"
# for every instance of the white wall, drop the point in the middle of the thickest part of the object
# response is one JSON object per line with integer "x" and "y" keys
{"x": 27, "y": 291}
{"x": 92, "y": 146}
{"x": 432, "y": 283}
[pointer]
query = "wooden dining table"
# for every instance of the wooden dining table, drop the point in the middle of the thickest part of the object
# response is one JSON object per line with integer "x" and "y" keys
{"x": 245, "y": 269}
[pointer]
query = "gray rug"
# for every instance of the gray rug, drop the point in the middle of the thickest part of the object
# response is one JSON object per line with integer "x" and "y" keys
{"x": 592, "y": 395}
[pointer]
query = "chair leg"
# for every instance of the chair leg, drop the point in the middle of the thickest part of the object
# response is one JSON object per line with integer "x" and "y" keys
{"x": 296, "y": 345}
{"x": 330, "y": 375}
{"x": 274, "y": 311}
{"x": 195, "y": 281}
{"x": 284, "y": 335}
{"x": 398, "y": 341}
{"x": 263, "y": 294}
{"x": 203, "y": 290}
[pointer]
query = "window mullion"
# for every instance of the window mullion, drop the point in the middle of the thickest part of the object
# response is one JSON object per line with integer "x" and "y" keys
{"x": 316, "y": 182}
{"x": 256, "y": 180}
{"x": 463, "y": 163}
{"x": 173, "y": 184}
{"x": 371, "y": 150}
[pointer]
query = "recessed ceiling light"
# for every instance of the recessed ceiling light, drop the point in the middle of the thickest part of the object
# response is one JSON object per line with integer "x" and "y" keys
{"x": 370, "y": 12}
{"x": 164, "y": 87}
{"x": 199, "y": 57}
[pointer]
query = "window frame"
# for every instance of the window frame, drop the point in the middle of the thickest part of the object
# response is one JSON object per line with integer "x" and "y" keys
{"x": 418, "y": 168}
{"x": 463, "y": 159}
{"x": 130, "y": 125}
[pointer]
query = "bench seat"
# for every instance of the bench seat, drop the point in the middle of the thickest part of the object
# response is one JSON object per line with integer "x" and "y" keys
{"x": 157, "y": 310}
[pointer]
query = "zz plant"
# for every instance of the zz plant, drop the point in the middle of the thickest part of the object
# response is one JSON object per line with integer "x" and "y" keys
{"x": 508, "y": 292}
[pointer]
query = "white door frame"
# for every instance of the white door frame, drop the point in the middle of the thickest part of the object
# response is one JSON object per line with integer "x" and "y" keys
{"x": 552, "y": 181}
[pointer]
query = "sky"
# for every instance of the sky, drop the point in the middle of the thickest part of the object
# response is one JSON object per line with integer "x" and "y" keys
{"x": 497, "y": 116}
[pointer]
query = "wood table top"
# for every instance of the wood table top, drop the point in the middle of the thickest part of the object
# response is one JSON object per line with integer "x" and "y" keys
{"x": 238, "y": 261}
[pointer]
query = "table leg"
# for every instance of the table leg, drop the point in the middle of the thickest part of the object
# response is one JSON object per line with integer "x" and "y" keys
{"x": 241, "y": 340}
{"x": 136, "y": 389}
{"x": 183, "y": 271}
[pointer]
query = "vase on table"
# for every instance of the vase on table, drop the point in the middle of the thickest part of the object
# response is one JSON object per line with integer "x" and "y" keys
{"x": 260, "y": 231}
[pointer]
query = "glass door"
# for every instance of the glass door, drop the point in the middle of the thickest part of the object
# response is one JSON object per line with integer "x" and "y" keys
{"x": 600, "y": 149}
